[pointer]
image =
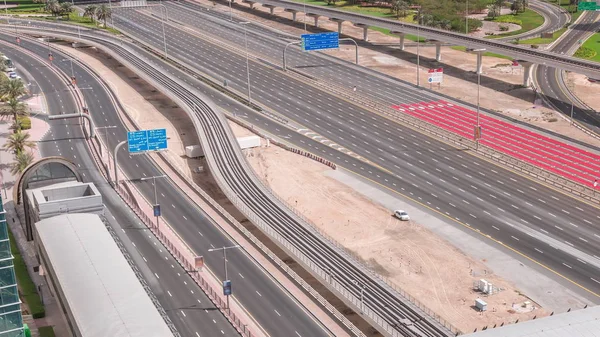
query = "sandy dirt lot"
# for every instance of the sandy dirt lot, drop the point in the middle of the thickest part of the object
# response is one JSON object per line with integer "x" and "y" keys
{"x": 417, "y": 260}
{"x": 501, "y": 88}
{"x": 585, "y": 90}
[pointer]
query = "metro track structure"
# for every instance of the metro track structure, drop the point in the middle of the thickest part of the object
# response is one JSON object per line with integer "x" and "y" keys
{"x": 382, "y": 173}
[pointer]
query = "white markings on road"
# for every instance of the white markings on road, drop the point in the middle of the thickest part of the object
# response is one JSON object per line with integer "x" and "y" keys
{"x": 582, "y": 239}
{"x": 558, "y": 227}
{"x": 586, "y": 221}
{"x": 553, "y": 197}
{"x": 258, "y": 293}
{"x": 595, "y": 280}
{"x": 155, "y": 274}
{"x": 565, "y": 211}
{"x": 168, "y": 292}
{"x": 539, "y": 251}
{"x": 566, "y": 265}
{"x": 496, "y": 228}
{"x": 278, "y": 314}
{"x": 514, "y": 238}
{"x": 570, "y": 244}
{"x": 552, "y": 215}
{"x": 183, "y": 313}
{"x": 486, "y": 212}
{"x": 242, "y": 276}
{"x": 537, "y": 217}
{"x": 541, "y": 200}
{"x": 579, "y": 208}
{"x": 472, "y": 215}
{"x": 451, "y": 204}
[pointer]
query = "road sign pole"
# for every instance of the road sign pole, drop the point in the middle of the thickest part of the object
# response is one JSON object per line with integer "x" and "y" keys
{"x": 115, "y": 161}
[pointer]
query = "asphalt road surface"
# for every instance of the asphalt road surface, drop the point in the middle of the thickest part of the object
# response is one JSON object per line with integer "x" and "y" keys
{"x": 549, "y": 78}
{"x": 258, "y": 293}
{"x": 539, "y": 222}
{"x": 185, "y": 303}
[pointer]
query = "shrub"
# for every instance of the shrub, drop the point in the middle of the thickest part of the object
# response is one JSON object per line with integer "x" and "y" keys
{"x": 534, "y": 46}
{"x": 503, "y": 28}
{"x": 585, "y": 52}
{"x": 46, "y": 331}
{"x": 508, "y": 19}
{"x": 25, "y": 122}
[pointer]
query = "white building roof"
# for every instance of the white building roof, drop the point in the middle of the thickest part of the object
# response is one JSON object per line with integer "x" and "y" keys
{"x": 579, "y": 323}
{"x": 102, "y": 291}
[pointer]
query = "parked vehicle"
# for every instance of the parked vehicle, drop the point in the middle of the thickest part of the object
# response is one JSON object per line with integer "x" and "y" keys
{"x": 402, "y": 215}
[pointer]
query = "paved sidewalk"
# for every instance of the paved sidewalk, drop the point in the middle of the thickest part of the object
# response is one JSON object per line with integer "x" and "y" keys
{"x": 38, "y": 130}
{"x": 151, "y": 118}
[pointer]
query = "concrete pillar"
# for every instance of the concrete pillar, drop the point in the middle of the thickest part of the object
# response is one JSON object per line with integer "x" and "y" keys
{"x": 401, "y": 41}
{"x": 294, "y": 12}
{"x": 316, "y": 17}
{"x": 438, "y": 51}
{"x": 270, "y": 7}
{"x": 251, "y": 3}
{"x": 526, "y": 73}
{"x": 339, "y": 22}
{"x": 365, "y": 30}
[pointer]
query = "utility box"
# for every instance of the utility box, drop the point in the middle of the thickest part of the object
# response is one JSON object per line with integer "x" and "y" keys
{"x": 480, "y": 304}
{"x": 194, "y": 151}
{"x": 249, "y": 142}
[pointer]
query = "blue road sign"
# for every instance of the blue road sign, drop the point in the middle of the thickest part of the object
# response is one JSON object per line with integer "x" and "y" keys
{"x": 320, "y": 41}
{"x": 156, "y": 210}
{"x": 147, "y": 140}
{"x": 227, "y": 287}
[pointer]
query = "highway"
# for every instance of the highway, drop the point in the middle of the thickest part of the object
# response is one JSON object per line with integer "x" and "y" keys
{"x": 257, "y": 292}
{"x": 502, "y": 48}
{"x": 554, "y": 19}
{"x": 488, "y": 198}
{"x": 395, "y": 178}
{"x": 550, "y": 80}
{"x": 188, "y": 308}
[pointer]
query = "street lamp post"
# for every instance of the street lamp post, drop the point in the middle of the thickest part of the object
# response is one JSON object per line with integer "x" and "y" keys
{"x": 477, "y": 132}
{"x": 106, "y": 138}
{"x": 247, "y": 62}
{"x": 224, "y": 249}
{"x": 467, "y": 18}
{"x": 230, "y": 11}
{"x": 78, "y": 28}
{"x": 418, "y": 44}
{"x": 304, "y": 16}
{"x": 362, "y": 287}
{"x": 155, "y": 194}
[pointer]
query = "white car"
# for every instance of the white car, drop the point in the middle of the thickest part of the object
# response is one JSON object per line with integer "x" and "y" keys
{"x": 402, "y": 215}
{"x": 12, "y": 74}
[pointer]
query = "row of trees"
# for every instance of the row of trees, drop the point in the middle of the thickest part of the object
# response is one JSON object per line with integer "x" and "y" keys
{"x": 65, "y": 8}
{"x": 98, "y": 13}
{"x": 19, "y": 141}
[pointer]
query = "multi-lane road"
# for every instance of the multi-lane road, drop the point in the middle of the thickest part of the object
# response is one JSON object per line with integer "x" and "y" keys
{"x": 188, "y": 308}
{"x": 545, "y": 225}
{"x": 256, "y": 291}
{"x": 550, "y": 79}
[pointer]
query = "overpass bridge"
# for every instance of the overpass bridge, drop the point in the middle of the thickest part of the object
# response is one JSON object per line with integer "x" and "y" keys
{"x": 526, "y": 56}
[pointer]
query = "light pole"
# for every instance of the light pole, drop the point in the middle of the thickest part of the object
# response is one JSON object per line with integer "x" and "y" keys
{"x": 224, "y": 249}
{"x": 477, "y": 132}
{"x": 467, "y": 18}
{"x": 230, "y": 11}
{"x": 78, "y": 28}
{"x": 418, "y": 44}
{"x": 156, "y": 204}
{"x": 247, "y": 62}
{"x": 362, "y": 287}
{"x": 304, "y": 16}
{"x": 71, "y": 60}
{"x": 106, "y": 138}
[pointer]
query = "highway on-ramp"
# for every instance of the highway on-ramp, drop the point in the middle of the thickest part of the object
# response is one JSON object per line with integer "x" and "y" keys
{"x": 253, "y": 287}
{"x": 551, "y": 82}
{"x": 189, "y": 309}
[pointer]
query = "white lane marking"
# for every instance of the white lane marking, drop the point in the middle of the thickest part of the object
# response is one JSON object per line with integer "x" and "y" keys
{"x": 278, "y": 314}
{"x": 155, "y": 274}
{"x": 558, "y": 227}
{"x": 582, "y": 239}
{"x": 539, "y": 251}
{"x": 258, "y": 293}
{"x": 183, "y": 313}
{"x": 514, "y": 238}
{"x": 168, "y": 292}
{"x": 496, "y": 228}
{"x": 566, "y": 265}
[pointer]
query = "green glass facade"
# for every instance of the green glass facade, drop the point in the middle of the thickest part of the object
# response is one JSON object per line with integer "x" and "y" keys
{"x": 11, "y": 320}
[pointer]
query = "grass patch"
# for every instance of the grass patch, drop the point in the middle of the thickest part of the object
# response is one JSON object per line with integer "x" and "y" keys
{"x": 46, "y": 331}
{"x": 26, "y": 6}
{"x": 387, "y": 32}
{"x": 528, "y": 20}
{"x": 590, "y": 49}
{"x": 461, "y": 48}
{"x": 75, "y": 19}
{"x": 27, "y": 287}
{"x": 540, "y": 40}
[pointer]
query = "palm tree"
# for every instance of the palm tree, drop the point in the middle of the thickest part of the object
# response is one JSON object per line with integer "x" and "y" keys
{"x": 14, "y": 108}
{"x": 12, "y": 88}
{"x": 103, "y": 13}
{"x": 22, "y": 160}
{"x": 53, "y": 6}
{"x": 66, "y": 8}
{"x": 17, "y": 142}
{"x": 91, "y": 11}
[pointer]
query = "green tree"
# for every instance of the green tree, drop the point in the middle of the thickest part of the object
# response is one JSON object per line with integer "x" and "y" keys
{"x": 400, "y": 7}
{"x": 14, "y": 108}
{"x": 90, "y": 11}
{"x": 12, "y": 88}
{"x": 66, "y": 8}
{"x": 18, "y": 141}
{"x": 22, "y": 160}
{"x": 53, "y": 6}
{"x": 103, "y": 13}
